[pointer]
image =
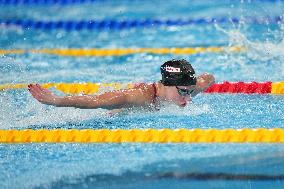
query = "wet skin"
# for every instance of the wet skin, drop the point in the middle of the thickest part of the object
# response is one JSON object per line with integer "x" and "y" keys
{"x": 139, "y": 96}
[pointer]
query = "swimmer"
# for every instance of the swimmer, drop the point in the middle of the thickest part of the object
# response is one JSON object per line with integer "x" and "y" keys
{"x": 178, "y": 85}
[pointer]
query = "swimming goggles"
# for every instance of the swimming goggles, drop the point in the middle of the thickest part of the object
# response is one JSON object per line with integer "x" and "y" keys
{"x": 184, "y": 92}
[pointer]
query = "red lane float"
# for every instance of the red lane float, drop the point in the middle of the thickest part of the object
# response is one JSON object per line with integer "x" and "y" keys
{"x": 240, "y": 87}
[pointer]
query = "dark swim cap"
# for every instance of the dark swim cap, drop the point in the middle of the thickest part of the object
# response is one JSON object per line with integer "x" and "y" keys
{"x": 177, "y": 73}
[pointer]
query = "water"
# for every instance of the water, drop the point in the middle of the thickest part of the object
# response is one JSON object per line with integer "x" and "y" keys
{"x": 143, "y": 165}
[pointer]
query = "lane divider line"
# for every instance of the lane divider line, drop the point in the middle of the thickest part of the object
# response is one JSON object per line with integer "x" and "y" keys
{"x": 123, "y": 52}
{"x": 71, "y": 2}
{"x": 144, "y": 136}
{"x": 130, "y": 24}
{"x": 45, "y": 2}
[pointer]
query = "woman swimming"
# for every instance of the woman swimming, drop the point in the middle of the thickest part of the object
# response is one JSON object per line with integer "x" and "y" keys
{"x": 178, "y": 85}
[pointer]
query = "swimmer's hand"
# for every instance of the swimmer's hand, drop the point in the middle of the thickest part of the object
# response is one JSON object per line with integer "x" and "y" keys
{"x": 43, "y": 95}
{"x": 204, "y": 81}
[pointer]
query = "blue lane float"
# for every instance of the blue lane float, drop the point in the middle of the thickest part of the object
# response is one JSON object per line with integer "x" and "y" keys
{"x": 70, "y": 2}
{"x": 128, "y": 24}
{"x": 45, "y": 2}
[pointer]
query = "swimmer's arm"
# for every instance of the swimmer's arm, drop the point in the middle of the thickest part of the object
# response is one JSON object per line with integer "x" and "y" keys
{"x": 111, "y": 100}
{"x": 204, "y": 81}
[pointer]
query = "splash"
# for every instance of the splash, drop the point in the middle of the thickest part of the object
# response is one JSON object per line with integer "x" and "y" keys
{"x": 191, "y": 109}
{"x": 257, "y": 51}
{"x": 28, "y": 112}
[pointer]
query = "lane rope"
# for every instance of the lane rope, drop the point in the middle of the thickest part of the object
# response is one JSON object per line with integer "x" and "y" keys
{"x": 70, "y": 2}
{"x": 123, "y": 52}
{"x": 129, "y": 24}
{"x": 45, "y": 2}
{"x": 143, "y": 135}
{"x": 222, "y": 87}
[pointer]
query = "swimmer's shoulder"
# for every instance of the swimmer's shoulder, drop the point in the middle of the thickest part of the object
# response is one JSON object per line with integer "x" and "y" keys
{"x": 146, "y": 90}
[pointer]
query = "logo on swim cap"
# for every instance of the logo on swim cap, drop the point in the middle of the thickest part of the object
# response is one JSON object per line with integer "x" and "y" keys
{"x": 172, "y": 69}
{"x": 177, "y": 73}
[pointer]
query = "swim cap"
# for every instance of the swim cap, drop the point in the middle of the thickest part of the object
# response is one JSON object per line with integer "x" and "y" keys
{"x": 177, "y": 73}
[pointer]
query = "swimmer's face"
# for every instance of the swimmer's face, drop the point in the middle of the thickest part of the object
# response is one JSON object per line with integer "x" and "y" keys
{"x": 180, "y": 95}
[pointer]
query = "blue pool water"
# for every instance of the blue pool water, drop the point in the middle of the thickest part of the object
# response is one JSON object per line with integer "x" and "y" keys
{"x": 144, "y": 165}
